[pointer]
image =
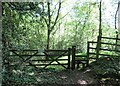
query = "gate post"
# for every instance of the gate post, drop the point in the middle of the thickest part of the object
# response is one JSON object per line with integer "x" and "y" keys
{"x": 73, "y": 57}
{"x": 69, "y": 58}
{"x": 88, "y": 45}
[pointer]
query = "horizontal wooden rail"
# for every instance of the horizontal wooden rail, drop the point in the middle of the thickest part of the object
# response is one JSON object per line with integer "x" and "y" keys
{"x": 49, "y": 60}
{"x": 104, "y": 43}
{"x": 56, "y": 50}
{"x": 40, "y": 64}
{"x": 80, "y": 60}
{"x": 92, "y": 48}
{"x": 27, "y": 55}
{"x": 92, "y": 53}
{"x": 80, "y": 55}
{"x": 23, "y": 50}
{"x": 109, "y": 55}
{"x": 110, "y": 50}
{"x": 51, "y": 50}
{"x": 110, "y": 38}
{"x": 109, "y": 43}
{"x": 105, "y": 49}
{"x": 46, "y": 64}
{"x": 104, "y": 55}
{"x": 40, "y": 55}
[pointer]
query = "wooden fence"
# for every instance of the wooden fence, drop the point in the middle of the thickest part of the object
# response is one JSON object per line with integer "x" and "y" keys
{"x": 93, "y": 52}
{"x": 38, "y": 59}
{"x": 106, "y": 49}
{"x": 46, "y": 58}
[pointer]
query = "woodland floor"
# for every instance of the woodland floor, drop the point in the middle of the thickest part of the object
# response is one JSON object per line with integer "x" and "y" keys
{"x": 61, "y": 77}
{"x": 76, "y": 77}
{"x": 69, "y": 78}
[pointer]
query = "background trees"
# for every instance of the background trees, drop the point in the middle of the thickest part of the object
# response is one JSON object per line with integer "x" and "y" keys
{"x": 38, "y": 25}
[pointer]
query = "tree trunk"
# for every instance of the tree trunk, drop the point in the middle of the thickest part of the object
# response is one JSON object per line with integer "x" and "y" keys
{"x": 51, "y": 26}
{"x": 48, "y": 39}
{"x": 100, "y": 32}
{"x": 48, "y": 26}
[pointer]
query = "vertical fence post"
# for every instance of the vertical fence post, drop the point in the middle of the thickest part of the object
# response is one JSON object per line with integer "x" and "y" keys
{"x": 1, "y": 43}
{"x": 69, "y": 58}
{"x": 98, "y": 47}
{"x": 88, "y": 45}
{"x": 73, "y": 57}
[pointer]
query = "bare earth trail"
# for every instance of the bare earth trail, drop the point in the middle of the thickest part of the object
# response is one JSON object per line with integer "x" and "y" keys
{"x": 68, "y": 77}
{"x": 77, "y": 77}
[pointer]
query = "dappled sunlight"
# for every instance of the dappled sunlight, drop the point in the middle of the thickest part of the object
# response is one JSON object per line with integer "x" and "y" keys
{"x": 63, "y": 77}
{"x": 82, "y": 82}
{"x": 88, "y": 70}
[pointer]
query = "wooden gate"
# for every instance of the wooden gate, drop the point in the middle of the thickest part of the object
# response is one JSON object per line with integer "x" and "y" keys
{"x": 38, "y": 59}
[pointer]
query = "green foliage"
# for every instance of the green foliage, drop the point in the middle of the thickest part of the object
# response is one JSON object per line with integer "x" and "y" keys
{"x": 27, "y": 27}
{"x": 24, "y": 29}
{"x": 106, "y": 66}
{"x": 18, "y": 78}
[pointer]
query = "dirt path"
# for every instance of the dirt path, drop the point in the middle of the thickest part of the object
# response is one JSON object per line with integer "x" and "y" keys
{"x": 77, "y": 77}
{"x": 68, "y": 77}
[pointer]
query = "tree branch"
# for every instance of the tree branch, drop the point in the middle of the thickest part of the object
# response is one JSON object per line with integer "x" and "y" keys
{"x": 116, "y": 15}
{"x": 58, "y": 12}
{"x": 45, "y": 20}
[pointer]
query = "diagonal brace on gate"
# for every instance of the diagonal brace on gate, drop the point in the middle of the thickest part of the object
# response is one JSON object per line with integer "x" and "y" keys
{"x": 26, "y": 60}
{"x": 54, "y": 60}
